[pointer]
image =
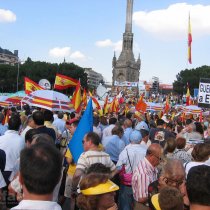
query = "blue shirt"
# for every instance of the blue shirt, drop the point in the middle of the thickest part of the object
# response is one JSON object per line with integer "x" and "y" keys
{"x": 3, "y": 129}
{"x": 126, "y": 136}
{"x": 114, "y": 146}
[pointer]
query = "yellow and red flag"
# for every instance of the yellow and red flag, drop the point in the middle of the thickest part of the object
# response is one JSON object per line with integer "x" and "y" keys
{"x": 77, "y": 98}
{"x": 31, "y": 86}
{"x": 167, "y": 106}
{"x": 95, "y": 101}
{"x": 106, "y": 105}
{"x": 189, "y": 41}
{"x": 84, "y": 98}
{"x": 114, "y": 106}
{"x": 141, "y": 106}
{"x": 188, "y": 96}
{"x": 63, "y": 82}
{"x": 6, "y": 117}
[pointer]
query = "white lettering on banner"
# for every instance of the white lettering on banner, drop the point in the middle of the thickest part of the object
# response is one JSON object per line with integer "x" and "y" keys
{"x": 204, "y": 93}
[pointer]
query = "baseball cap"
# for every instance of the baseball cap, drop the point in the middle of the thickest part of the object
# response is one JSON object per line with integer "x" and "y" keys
{"x": 135, "y": 136}
{"x": 142, "y": 126}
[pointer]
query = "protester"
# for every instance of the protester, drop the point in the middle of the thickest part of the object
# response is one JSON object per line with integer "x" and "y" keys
{"x": 127, "y": 125}
{"x": 108, "y": 130}
{"x": 29, "y": 125}
{"x": 3, "y": 128}
{"x": 97, "y": 192}
{"x": 144, "y": 174}
{"x": 128, "y": 160}
{"x": 59, "y": 123}
{"x": 38, "y": 187}
{"x": 198, "y": 187}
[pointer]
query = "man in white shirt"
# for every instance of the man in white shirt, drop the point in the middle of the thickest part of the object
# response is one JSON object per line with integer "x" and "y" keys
{"x": 108, "y": 130}
{"x": 12, "y": 143}
{"x": 40, "y": 171}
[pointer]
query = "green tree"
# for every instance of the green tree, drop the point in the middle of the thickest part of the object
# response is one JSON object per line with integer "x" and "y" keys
{"x": 190, "y": 76}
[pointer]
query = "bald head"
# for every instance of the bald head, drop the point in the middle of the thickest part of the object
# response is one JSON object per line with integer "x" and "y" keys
{"x": 154, "y": 153}
{"x": 128, "y": 123}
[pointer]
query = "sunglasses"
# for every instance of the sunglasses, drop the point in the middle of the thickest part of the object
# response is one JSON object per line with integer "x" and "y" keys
{"x": 171, "y": 182}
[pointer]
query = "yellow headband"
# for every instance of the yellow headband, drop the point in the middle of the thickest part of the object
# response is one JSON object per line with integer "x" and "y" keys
{"x": 155, "y": 201}
{"x": 107, "y": 187}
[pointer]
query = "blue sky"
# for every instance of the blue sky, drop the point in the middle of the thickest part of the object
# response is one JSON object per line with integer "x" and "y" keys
{"x": 87, "y": 32}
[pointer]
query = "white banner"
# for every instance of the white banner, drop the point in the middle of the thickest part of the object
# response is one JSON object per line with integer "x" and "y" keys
{"x": 204, "y": 93}
{"x": 126, "y": 83}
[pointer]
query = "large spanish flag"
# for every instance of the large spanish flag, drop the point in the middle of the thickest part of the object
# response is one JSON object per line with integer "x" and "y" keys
{"x": 31, "y": 86}
{"x": 189, "y": 41}
{"x": 64, "y": 82}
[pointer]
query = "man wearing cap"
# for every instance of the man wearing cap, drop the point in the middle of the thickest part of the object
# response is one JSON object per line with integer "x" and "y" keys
{"x": 128, "y": 160}
{"x": 144, "y": 174}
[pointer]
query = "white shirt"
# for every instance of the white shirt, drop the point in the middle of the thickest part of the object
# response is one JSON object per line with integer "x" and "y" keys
{"x": 191, "y": 164}
{"x": 2, "y": 182}
{"x": 60, "y": 124}
{"x": 12, "y": 144}
{"x": 108, "y": 131}
{"x": 37, "y": 205}
{"x": 24, "y": 131}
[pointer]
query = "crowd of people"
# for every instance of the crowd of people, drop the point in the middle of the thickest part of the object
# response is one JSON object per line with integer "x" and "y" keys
{"x": 131, "y": 161}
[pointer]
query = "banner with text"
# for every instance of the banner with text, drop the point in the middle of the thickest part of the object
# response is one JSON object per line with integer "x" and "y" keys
{"x": 126, "y": 83}
{"x": 204, "y": 93}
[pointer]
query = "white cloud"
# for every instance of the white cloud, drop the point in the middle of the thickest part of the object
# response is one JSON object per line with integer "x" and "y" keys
{"x": 7, "y": 16}
{"x": 58, "y": 52}
{"x": 117, "y": 46}
{"x": 78, "y": 55}
{"x": 172, "y": 22}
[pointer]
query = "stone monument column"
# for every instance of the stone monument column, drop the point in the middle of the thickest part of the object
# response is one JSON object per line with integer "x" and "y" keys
{"x": 129, "y": 13}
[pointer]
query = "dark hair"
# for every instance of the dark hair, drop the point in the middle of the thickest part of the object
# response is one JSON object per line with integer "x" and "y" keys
{"x": 38, "y": 117}
{"x": 180, "y": 143}
{"x": 43, "y": 138}
{"x": 29, "y": 135}
{"x": 94, "y": 138}
{"x": 103, "y": 120}
{"x": 188, "y": 121}
{"x": 170, "y": 198}
{"x": 40, "y": 168}
{"x": 60, "y": 115}
{"x": 117, "y": 130}
{"x": 129, "y": 115}
{"x": 198, "y": 185}
{"x": 98, "y": 168}
{"x": 1, "y": 117}
{"x": 14, "y": 123}
{"x": 86, "y": 202}
{"x": 144, "y": 133}
{"x": 201, "y": 152}
{"x": 199, "y": 127}
{"x": 72, "y": 115}
{"x": 48, "y": 115}
{"x": 160, "y": 122}
{"x": 170, "y": 145}
{"x": 95, "y": 121}
{"x": 112, "y": 121}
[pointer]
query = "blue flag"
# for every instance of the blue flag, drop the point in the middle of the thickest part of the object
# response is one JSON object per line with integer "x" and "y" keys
{"x": 85, "y": 125}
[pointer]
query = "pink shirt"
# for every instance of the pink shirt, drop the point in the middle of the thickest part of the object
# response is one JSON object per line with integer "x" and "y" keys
{"x": 143, "y": 175}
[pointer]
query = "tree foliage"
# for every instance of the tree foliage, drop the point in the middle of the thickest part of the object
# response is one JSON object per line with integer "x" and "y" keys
{"x": 36, "y": 71}
{"x": 190, "y": 76}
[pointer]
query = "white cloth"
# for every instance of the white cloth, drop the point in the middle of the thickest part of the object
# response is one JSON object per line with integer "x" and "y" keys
{"x": 136, "y": 153}
{"x": 189, "y": 165}
{"x": 2, "y": 182}
{"x": 37, "y": 205}
{"x": 12, "y": 143}
{"x": 108, "y": 131}
{"x": 24, "y": 131}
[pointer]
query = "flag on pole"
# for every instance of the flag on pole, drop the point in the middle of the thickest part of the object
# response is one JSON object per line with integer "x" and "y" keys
{"x": 167, "y": 106}
{"x": 188, "y": 96}
{"x": 77, "y": 99}
{"x": 84, "y": 98}
{"x": 6, "y": 118}
{"x": 106, "y": 105}
{"x": 85, "y": 125}
{"x": 95, "y": 101}
{"x": 141, "y": 105}
{"x": 189, "y": 41}
{"x": 63, "y": 82}
{"x": 31, "y": 86}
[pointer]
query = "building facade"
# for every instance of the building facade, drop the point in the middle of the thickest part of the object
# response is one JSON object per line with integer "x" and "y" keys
{"x": 7, "y": 57}
{"x": 126, "y": 68}
{"x": 93, "y": 78}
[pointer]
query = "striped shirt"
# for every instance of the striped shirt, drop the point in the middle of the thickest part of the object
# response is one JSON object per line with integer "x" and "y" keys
{"x": 143, "y": 175}
{"x": 90, "y": 157}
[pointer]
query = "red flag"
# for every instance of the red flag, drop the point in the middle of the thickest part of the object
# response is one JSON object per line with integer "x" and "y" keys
{"x": 167, "y": 106}
{"x": 6, "y": 118}
{"x": 77, "y": 99}
{"x": 95, "y": 101}
{"x": 64, "y": 82}
{"x": 31, "y": 86}
{"x": 141, "y": 105}
{"x": 189, "y": 41}
{"x": 106, "y": 105}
